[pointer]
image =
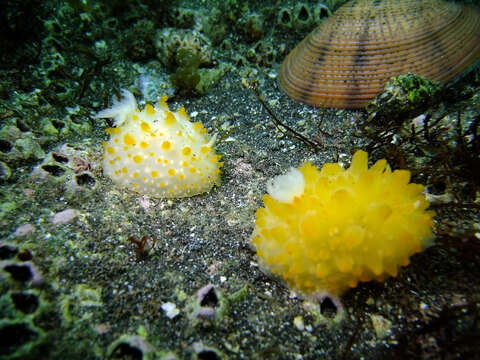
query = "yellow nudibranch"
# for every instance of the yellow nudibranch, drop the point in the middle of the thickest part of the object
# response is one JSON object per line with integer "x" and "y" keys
{"x": 158, "y": 152}
{"x": 327, "y": 230}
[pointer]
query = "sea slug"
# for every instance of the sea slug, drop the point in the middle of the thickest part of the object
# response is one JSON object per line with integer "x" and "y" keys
{"x": 328, "y": 229}
{"x": 158, "y": 152}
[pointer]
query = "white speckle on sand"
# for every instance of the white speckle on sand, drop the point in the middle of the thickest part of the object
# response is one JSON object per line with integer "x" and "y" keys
{"x": 170, "y": 309}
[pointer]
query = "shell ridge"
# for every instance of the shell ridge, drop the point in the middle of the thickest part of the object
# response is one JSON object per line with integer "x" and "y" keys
{"x": 347, "y": 59}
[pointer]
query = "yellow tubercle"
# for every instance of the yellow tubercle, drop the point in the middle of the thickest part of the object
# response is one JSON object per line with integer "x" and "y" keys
{"x": 182, "y": 111}
{"x": 198, "y": 126}
{"x": 166, "y": 145}
{"x": 137, "y": 159}
{"x": 163, "y": 101}
{"x": 149, "y": 109}
{"x": 169, "y": 118}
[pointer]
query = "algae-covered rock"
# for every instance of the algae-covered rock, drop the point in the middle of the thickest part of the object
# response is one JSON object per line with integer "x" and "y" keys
{"x": 320, "y": 12}
{"x": 131, "y": 347}
{"x": 252, "y": 27}
{"x": 210, "y": 77}
{"x": 7, "y": 208}
{"x": 27, "y": 148}
{"x": 5, "y": 171}
{"x": 139, "y": 40}
{"x": 169, "y": 41}
{"x": 22, "y": 305}
{"x": 66, "y": 171}
{"x": 19, "y": 339}
{"x": 215, "y": 26}
{"x": 303, "y": 17}
{"x": 182, "y": 17}
{"x": 47, "y": 127}
{"x": 285, "y": 18}
{"x": 208, "y": 306}
{"x": 202, "y": 351}
{"x": 402, "y": 96}
{"x": 17, "y": 146}
{"x": 189, "y": 79}
{"x": 186, "y": 77}
{"x": 263, "y": 53}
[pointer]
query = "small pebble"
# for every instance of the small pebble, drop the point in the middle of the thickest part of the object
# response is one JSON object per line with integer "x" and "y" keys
{"x": 24, "y": 230}
{"x": 170, "y": 310}
{"x": 298, "y": 322}
{"x": 65, "y": 217}
{"x": 381, "y": 325}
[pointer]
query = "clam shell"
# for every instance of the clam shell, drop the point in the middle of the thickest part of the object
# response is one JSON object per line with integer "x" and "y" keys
{"x": 346, "y": 61}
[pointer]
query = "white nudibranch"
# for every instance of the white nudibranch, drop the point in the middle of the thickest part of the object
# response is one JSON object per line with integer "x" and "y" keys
{"x": 158, "y": 152}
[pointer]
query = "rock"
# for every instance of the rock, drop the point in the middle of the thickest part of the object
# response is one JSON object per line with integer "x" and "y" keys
{"x": 381, "y": 326}
{"x": 24, "y": 230}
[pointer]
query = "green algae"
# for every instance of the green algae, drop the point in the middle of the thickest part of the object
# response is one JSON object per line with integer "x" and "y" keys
{"x": 209, "y": 78}
{"x": 403, "y": 96}
{"x": 186, "y": 76}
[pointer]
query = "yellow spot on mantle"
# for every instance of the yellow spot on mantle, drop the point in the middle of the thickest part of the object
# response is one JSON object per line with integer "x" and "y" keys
{"x": 145, "y": 126}
{"x": 128, "y": 140}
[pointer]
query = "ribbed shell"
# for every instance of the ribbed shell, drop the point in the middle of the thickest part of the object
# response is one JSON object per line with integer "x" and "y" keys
{"x": 346, "y": 61}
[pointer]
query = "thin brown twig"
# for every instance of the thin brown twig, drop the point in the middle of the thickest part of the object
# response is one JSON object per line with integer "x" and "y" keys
{"x": 278, "y": 124}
